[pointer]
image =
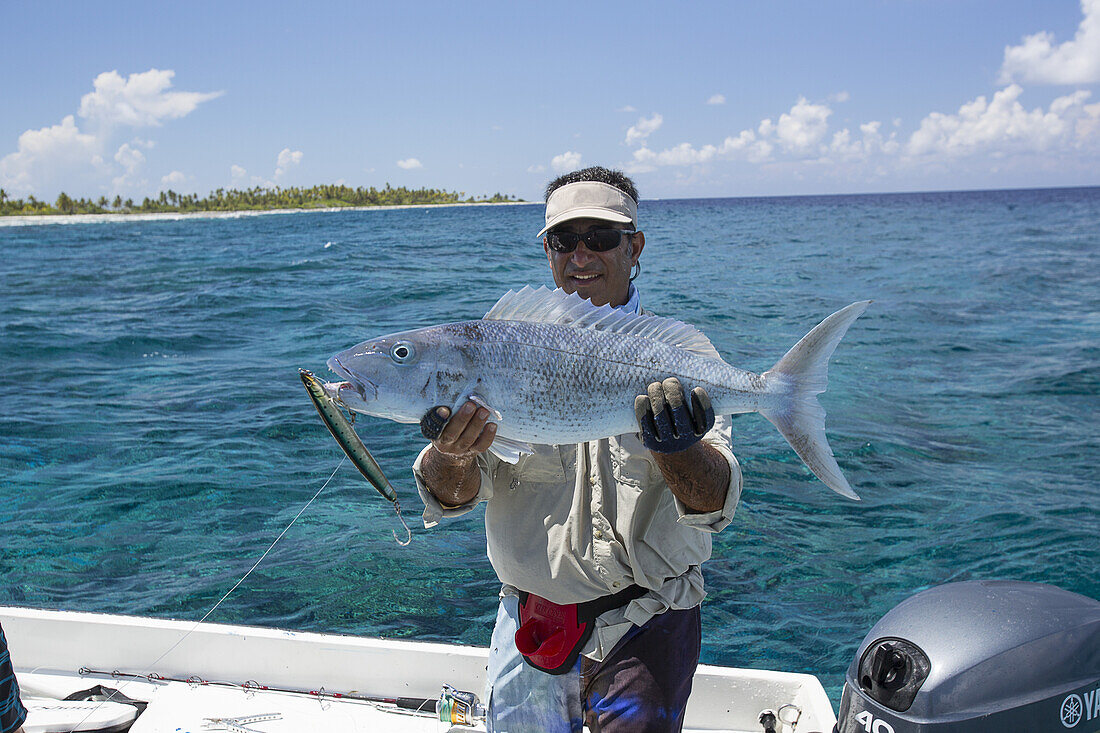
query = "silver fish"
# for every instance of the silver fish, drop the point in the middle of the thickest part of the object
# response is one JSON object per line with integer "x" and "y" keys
{"x": 554, "y": 369}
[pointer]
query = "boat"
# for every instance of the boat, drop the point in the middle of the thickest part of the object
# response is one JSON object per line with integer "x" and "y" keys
{"x": 967, "y": 657}
{"x": 199, "y": 677}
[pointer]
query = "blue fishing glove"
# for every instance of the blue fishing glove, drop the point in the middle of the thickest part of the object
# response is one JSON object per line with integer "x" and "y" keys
{"x": 666, "y": 423}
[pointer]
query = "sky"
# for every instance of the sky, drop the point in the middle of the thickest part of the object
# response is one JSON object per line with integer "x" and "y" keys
{"x": 700, "y": 99}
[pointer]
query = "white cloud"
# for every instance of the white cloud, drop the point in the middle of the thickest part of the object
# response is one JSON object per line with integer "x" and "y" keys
{"x": 1038, "y": 60}
{"x": 64, "y": 156}
{"x": 285, "y": 160}
{"x": 685, "y": 154}
{"x": 1002, "y": 125}
{"x": 60, "y": 154}
{"x": 241, "y": 179}
{"x": 1000, "y": 131}
{"x": 643, "y": 128}
{"x": 845, "y": 146}
{"x": 409, "y": 164}
{"x": 840, "y": 97}
{"x": 628, "y": 108}
{"x": 567, "y": 161}
{"x": 717, "y": 99}
{"x": 800, "y": 130}
{"x": 131, "y": 159}
{"x": 536, "y": 169}
{"x": 288, "y": 157}
{"x": 682, "y": 154}
{"x": 141, "y": 100}
{"x": 800, "y": 134}
{"x": 173, "y": 179}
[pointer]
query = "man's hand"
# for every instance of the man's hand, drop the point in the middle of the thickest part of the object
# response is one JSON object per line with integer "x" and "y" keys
{"x": 449, "y": 469}
{"x": 696, "y": 473}
{"x": 666, "y": 423}
{"x": 468, "y": 433}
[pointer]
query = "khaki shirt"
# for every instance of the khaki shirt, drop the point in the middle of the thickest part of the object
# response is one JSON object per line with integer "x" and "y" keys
{"x": 576, "y": 522}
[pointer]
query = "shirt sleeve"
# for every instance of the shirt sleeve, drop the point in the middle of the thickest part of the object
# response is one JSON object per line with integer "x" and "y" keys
{"x": 433, "y": 509}
{"x": 720, "y": 438}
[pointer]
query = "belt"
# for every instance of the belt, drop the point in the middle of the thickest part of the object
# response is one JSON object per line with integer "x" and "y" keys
{"x": 551, "y": 635}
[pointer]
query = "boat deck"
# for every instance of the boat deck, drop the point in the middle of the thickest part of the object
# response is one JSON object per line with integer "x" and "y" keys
{"x": 221, "y": 677}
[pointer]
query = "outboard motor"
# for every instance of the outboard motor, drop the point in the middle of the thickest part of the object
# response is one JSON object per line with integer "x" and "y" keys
{"x": 979, "y": 657}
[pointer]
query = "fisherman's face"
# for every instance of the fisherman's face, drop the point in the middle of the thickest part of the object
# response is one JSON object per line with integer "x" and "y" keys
{"x": 602, "y": 277}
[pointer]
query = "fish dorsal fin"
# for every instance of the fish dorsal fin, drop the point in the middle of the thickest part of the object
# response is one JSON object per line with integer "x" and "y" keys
{"x": 543, "y": 305}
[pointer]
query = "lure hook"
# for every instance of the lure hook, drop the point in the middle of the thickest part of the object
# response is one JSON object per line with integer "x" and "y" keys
{"x": 408, "y": 532}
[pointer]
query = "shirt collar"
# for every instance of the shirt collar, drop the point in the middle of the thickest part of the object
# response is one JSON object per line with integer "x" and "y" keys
{"x": 633, "y": 302}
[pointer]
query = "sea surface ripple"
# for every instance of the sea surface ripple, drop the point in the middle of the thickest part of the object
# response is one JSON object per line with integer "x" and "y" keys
{"x": 154, "y": 436}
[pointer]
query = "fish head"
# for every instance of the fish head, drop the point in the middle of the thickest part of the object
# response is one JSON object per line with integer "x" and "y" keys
{"x": 397, "y": 376}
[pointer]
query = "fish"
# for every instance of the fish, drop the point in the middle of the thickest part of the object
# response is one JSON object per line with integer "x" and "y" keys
{"x": 554, "y": 369}
{"x": 328, "y": 407}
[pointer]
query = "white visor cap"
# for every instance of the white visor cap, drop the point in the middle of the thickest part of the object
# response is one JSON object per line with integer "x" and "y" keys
{"x": 589, "y": 200}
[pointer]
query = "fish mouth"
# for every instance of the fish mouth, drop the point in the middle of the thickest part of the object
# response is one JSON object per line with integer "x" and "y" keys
{"x": 359, "y": 385}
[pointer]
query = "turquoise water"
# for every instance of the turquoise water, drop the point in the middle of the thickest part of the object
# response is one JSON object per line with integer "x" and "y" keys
{"x": 155, "y": 438}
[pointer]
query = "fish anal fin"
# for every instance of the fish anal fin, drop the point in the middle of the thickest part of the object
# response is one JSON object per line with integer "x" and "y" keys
{"x": 510, "y": 451}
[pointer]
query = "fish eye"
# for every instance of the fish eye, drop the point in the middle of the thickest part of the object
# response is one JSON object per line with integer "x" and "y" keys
{"x": 402, "y": 352}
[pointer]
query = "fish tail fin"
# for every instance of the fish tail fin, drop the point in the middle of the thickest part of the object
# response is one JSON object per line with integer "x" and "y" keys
{"x": 800, "y": 376}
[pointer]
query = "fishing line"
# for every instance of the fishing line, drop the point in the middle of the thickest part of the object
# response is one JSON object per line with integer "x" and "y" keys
{"x": 198, "y": 623}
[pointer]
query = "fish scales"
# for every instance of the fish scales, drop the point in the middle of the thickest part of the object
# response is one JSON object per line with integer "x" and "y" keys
{"x": 555, "y": 369}
{"x": 537, "y": 375}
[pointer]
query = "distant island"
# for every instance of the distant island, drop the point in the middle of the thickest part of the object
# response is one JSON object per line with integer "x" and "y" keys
{"x": 252, "y": 199}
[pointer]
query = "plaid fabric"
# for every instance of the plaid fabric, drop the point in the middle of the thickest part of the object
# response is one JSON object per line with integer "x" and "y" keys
{"x": 12, "y": 712}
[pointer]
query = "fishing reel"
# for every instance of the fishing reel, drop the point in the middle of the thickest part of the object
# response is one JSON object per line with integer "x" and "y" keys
{"x": 458, "y": 707}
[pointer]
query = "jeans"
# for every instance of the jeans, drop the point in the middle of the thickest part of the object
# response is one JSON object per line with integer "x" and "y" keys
{"x": 641, "y": 687}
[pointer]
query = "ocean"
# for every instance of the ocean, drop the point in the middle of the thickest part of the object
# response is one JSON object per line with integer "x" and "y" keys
{"x": 155, "y": 438}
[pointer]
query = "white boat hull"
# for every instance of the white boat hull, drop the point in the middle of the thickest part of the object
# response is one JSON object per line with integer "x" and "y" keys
{"x": 306, "y": 673}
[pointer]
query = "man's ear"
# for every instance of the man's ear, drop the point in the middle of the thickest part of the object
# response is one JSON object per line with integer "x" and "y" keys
{"x": 546, "y": 248}
{"x": 637, "y": 243}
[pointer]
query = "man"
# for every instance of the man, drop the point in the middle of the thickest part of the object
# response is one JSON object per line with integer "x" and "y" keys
{"x": 598, "y": 545}
{"x": 12, "y": 712}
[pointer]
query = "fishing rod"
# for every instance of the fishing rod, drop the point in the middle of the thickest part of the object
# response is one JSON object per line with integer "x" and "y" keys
{"x": 452, "y": 705}
{"x": 417, "y": 704}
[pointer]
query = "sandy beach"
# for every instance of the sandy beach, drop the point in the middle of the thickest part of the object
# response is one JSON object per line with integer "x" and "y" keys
{"x": 40, "y": 219}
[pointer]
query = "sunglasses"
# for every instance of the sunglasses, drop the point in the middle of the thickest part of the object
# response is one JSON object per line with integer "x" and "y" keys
{"x": 597, "y": 240}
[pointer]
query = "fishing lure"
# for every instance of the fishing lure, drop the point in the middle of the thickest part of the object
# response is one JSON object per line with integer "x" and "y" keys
{"x": 348, "y": 440}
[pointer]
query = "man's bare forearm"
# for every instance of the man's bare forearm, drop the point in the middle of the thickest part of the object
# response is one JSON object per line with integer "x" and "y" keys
{"x": 452, "y": 480}
{"x": 698, "y": 476}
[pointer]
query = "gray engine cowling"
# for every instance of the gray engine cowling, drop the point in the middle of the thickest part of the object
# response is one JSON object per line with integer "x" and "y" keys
{"x": 979, "y": 657}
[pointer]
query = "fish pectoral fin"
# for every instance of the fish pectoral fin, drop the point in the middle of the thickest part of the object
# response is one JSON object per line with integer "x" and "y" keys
{"x": 480, "y": 402}
{"x": 510, "y": 451}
